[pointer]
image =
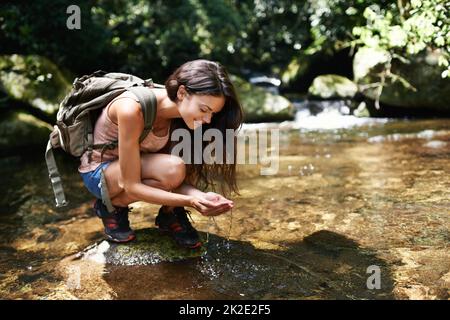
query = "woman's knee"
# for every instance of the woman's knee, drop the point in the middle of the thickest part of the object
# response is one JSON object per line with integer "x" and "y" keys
{"x": 174, "y": 172}
{"x": 168, "y": 171}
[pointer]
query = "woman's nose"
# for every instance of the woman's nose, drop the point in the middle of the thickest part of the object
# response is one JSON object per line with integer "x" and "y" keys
{"x": 207, "y": 119}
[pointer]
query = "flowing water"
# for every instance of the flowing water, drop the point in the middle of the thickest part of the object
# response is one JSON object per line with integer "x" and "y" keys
{"x": 369, "y": 193}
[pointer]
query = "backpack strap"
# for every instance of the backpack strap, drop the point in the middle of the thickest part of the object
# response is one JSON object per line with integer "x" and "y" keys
{"x": 148, "y": 103}
{"x": 55, "y": 177}
{"x": 105, "y": 193}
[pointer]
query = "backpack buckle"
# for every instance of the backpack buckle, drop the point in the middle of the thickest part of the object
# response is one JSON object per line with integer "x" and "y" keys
{"x": 148, "y": 82}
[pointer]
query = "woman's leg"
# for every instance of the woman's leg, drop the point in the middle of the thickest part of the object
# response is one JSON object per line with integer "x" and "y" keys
{"x": 158, "y": 170}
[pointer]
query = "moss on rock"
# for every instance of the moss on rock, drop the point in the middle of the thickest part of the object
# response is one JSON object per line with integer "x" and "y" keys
{"x": 260, "y": 105}
{"x": 150, "y": 247}
{"x": 332, "y": 86}
{"x": 33, "y": 79}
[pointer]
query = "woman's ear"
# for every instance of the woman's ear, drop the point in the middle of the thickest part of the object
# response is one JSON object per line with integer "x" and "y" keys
{"x": 181, "y": 93}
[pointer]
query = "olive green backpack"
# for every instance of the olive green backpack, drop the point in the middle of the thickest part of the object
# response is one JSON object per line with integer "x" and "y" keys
{"x": 79, "y": 111}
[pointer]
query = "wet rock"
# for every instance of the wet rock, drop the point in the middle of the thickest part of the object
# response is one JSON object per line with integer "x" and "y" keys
{"x": 33, "y": 79}
{"x": 332, "y": 86}
{"x": 149, "y": 248}
{"x": 422, "y": 72}
{"x": 260, "y": 105}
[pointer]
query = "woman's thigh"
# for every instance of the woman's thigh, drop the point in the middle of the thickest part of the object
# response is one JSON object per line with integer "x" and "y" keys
{"x": 167, "y": 169}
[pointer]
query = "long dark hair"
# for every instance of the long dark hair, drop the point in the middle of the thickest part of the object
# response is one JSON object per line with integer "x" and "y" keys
{"x": 206, "y": 77}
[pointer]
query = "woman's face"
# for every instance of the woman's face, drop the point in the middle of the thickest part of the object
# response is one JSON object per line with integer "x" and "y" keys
{"x": 198, "y": 109}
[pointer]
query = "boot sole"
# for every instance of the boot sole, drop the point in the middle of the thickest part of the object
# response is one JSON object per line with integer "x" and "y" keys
{"x": 130, "y": 238}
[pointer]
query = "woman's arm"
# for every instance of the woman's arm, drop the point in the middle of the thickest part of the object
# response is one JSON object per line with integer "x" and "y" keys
{"x": 189, "y": 190}
{"x": 131, "y": 124}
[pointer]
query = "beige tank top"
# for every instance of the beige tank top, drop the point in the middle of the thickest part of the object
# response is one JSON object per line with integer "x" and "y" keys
{"x": 106, "y": 130}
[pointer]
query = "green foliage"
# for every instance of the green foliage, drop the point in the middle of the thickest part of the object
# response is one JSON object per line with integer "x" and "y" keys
{"x": 331, "y": 22}
{"x": 259, "y": 35}
{"x": 272, "y": 32}
{"x": 408, "y": 29}
{"x": 152, "y": 38}
{"x": 39, "y": 27}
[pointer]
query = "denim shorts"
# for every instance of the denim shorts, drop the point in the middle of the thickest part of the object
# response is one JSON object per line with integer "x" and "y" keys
{"x": 92, "y": 179}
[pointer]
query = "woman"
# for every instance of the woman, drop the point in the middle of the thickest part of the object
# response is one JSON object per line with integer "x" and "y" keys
{"x": 197, "y": 93}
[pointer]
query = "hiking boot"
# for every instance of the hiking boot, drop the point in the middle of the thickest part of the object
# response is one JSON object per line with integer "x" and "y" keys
{"x": 178, "y": 226}
{"x": 117, "y": 225}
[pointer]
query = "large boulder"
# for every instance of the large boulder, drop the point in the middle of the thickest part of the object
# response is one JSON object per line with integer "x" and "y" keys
{"x": 34, "y": 80}
{"x": 20, "y": 131}
{"x": 332, "y": 86}
{"x": 260, "y": 105}
{"x": 421, "y": 72}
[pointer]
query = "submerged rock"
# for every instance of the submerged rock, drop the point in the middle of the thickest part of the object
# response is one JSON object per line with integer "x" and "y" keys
{"x": 149, "y": 248}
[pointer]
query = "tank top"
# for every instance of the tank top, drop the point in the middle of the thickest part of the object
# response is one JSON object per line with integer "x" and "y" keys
{"x": 105, "y": 131}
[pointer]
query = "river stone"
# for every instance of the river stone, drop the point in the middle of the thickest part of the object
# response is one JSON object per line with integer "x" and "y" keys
{"x": 150, "y": 247}
{"x": 422, "y": 72}
{"x": 332, "y": 86}
{"x": 260, "y": 105}
{"x": 33, "y": 79}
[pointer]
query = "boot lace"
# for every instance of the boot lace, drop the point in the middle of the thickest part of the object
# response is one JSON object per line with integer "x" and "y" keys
{"x": 182, "y": 217}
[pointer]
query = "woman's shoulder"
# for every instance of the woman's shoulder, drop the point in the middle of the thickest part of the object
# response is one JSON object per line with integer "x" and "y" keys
{"x": 126, "y": 105}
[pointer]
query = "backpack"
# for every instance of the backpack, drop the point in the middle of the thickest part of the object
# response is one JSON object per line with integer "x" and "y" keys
{"x": 79, "y": 111}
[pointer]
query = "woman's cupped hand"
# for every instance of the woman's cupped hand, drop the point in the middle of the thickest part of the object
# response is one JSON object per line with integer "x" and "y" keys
{"x": 211, "y": 204}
